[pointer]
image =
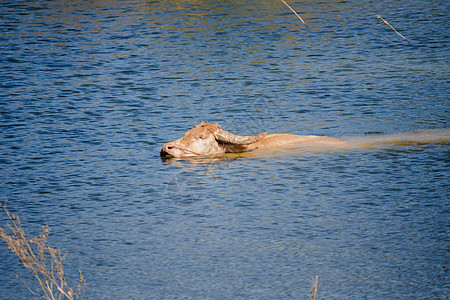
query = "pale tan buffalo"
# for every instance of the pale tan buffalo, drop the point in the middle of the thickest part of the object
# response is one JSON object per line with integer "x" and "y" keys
{"x": 209, "y": 139}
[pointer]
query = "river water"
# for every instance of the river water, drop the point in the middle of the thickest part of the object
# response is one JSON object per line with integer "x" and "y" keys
{"x": 91, "y": 90}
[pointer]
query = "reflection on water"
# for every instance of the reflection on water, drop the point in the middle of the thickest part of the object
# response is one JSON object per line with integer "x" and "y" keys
{"x": 90, "y": 91}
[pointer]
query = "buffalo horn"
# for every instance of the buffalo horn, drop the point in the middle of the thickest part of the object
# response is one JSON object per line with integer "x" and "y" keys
{"x": 229, "y": 138}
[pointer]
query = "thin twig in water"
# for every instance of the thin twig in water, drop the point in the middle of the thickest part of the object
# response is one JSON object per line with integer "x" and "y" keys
{"x": 385, "y": 22}
{"x": 294, "y": 13}
{"x": 313, "y": 290}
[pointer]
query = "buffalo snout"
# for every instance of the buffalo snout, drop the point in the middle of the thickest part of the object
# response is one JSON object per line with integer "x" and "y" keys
{"x": 166, "y": 149}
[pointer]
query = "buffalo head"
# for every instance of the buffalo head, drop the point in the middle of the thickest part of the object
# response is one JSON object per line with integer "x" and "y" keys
{"x": 208, "y": 139}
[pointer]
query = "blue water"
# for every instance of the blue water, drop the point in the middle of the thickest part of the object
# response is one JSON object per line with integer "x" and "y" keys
{"x": 90, "y": 91}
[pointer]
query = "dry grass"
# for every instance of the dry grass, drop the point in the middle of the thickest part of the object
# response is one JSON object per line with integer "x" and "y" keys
{"x": 43, "y": 261}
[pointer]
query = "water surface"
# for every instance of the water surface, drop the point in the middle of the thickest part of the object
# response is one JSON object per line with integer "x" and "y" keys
{"x": 90, "y": 91}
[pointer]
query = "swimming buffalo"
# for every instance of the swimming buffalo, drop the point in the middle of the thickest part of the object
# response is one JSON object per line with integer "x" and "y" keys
{"x": 209, "y": 139}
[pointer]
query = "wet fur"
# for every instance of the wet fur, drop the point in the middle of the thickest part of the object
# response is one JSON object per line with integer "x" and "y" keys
{"x": 204, "y": 139}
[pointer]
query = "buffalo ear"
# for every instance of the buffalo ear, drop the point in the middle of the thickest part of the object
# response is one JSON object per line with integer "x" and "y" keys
{"x": 230, "y": 138}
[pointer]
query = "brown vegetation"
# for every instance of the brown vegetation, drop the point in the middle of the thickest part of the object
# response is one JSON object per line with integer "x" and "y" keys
{"x": 43, "y": 261}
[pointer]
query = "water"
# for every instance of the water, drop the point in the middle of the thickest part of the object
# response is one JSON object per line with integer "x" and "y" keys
{"x": 89, "y": 92}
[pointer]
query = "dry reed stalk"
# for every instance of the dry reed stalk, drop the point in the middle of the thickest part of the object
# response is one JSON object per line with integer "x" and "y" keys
{"x": 385, "y": 22}
{"x": 43, "y": 261}
{"x": 313, "y": 290}
{"x": 294, "y": 13}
